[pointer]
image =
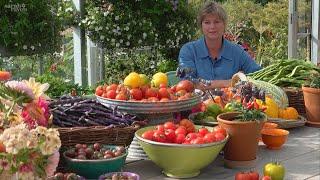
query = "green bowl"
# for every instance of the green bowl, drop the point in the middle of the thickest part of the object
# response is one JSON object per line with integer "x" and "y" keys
{"x": 92, "y": 169}
{"x": 180, "y": 160}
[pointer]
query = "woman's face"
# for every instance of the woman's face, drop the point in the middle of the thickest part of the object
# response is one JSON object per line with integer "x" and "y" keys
{"x": 212, "y": 27}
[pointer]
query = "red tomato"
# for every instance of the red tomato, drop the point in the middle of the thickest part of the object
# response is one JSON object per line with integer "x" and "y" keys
{"x": 136, "y": 94}
{"x": 112, "y": 87}
{"x": 173, "y": 88}
{"x": 162, "y": 85}
{"x": 151, "y": 92}
{"x": 219, "y": 129}
{"x": 169, "y": 125}
{"x": 203, "y": 131}
{"x": 164, "y": 99}
{"x": 209, "y": 138}
{"x": 198, "y": 140}
{"x": 163, "y": 93}
{"x": 153, "y": 99}
{"x": 111, "y": 94}
{"x": 191, "y": 136}
{"x": 160, "y": 128}
{"x": 181, "y": 130}
{"x": 148, "y": 135}
{"x": 121, "y": 96}
{"x": 99, "y": 91}
{"x": 159, "y": 136}
{"x": 185, "y": 85}
{"x": 242, "y": 176}
{"x": 170, "y": 135}
{"x": 181, "y": 93}
{"x": 179, "y": 138}
{"x": 266, "y": 178}
{"x": 219, "y": 136}
{"x": 254, "y": 175}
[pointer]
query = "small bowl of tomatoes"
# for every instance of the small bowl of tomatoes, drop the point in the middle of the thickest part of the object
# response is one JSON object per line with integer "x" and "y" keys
{"x": 179, "y": 150}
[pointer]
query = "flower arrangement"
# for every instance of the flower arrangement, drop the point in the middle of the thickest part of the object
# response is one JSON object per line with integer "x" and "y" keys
{"x": 28, "y": 147}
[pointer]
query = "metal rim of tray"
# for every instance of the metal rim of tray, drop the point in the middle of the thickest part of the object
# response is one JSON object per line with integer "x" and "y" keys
{"x": 286, "y": 124}
{"x": 138, "y": 107}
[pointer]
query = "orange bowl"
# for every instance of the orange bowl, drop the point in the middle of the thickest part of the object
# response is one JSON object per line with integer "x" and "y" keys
{"x": 268, "y": 125}
{"x": 274, "y": 138}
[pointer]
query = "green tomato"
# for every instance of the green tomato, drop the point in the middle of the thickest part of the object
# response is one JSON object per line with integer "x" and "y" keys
{"x": 228, "y": 107}
{"x": 275, "y": 170}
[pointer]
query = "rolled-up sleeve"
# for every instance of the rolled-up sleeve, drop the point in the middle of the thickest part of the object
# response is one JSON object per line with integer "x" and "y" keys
{"x": 248, "y": 65}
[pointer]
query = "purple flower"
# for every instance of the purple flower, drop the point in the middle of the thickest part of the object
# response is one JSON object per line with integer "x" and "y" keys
{"x": 20, "y": 87}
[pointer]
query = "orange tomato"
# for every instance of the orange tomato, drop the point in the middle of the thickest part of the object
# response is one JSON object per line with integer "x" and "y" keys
{"x": 188, "y": 125}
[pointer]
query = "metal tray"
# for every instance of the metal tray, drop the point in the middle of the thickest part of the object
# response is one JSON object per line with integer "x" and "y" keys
{"x": 137, "y": 107}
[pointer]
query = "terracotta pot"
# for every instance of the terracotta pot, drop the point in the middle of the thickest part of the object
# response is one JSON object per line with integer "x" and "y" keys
{"x": 244, "y": 138}
{"x": 312, "y": 104}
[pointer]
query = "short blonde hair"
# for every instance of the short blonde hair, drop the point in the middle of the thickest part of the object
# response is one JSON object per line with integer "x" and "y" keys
{"x": 212, "y": 8}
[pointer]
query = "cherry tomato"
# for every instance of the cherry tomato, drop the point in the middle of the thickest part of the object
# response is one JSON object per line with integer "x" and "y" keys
{"x": 111, "y": 94}
{"x": 151, "y": 92}
{"x": 198, "y": 140}
{"x": 99, "y": 91}
{"x": 219, "y": 129}
{"x": 163, "y": 93}
{"x": 179, "y": 138}
{"x": 170, "y": 135}
{"x": 191, "y": 136}
{"x": 112, "y": 87}
{"x": 121, "y": 96}
{"x": 203, "y": 131}
{"x": 219, "y": 136}
{"x": 169, "y": 125}
{"x": 159, "y": 136}
{"x": 209, "y": 138}
{"x": 181, "y": 130}
{"x": 136, "y": 93}
{"x": 160, "y": 128}
{"x": 148, "y": 135}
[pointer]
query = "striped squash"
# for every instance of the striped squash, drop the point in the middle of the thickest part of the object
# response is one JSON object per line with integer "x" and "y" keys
{"x": 276, "y": 92}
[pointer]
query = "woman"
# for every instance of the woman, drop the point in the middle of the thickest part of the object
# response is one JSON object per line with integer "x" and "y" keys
{"x": 212, "y": 57}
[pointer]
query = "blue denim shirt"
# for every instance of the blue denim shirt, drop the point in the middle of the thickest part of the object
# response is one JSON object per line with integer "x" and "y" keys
{"x": 232, "y": 59}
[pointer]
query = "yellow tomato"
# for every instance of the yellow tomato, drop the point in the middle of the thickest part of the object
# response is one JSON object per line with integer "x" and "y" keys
{"x": 133, "y": 80}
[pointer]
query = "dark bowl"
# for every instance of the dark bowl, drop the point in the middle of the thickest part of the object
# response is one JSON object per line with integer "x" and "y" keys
{"x": 92, "y": 169}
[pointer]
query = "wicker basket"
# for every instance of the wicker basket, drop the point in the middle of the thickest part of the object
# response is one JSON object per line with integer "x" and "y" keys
{"x": 97, "y": 134}
{"x": 295, "y": 97}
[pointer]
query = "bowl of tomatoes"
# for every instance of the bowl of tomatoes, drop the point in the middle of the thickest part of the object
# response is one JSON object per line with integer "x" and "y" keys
{"x": 181, "y": 151}
{"x": 92, "y": 160}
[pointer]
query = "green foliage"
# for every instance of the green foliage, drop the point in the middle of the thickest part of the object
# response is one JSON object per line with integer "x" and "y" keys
{"x": 28, "y": 27}
{"x": 314, "y": 80}
{"x": 265, "y": 28}
{"x": 59, "y": 86}
{"x": 119, "y": 64}
{"x": 117, "y": 24}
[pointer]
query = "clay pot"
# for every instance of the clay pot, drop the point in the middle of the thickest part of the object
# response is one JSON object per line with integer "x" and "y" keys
{"x": 243, "y": 142}
{"x": 312, "y": 104}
